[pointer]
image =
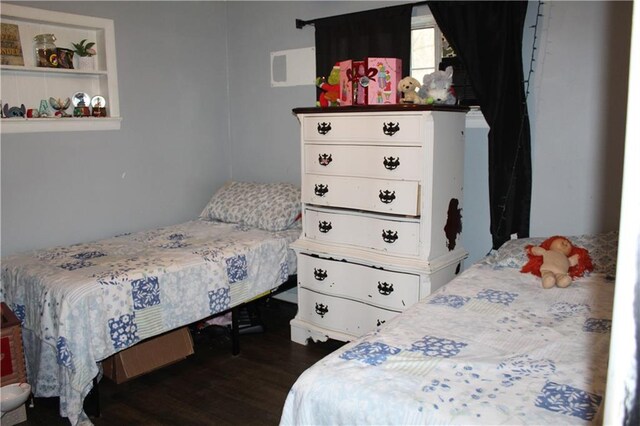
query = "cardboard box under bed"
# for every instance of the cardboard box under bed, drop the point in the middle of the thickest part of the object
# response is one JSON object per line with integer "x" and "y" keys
{"x": 148, "y": 355}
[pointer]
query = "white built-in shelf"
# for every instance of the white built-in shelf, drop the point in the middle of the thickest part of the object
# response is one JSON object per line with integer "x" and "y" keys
{"x": 41, "y": 70}
{"x": 27, "y": 85}
{"x": 67, "y": 124}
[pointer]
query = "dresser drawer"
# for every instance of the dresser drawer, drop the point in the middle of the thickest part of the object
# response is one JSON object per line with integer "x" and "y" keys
{"x": 375, "y": 195}
{"x": 363, "y": 128}
{"x": 384, "y": 162}
{"x": 386, "y": 289}
{"x": 401, "y": 237}
{"x": 343, "y": 315}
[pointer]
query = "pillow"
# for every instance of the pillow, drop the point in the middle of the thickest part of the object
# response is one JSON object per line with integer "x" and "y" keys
{"x": 603, "y": 249}
{"x": 268, "y": 206}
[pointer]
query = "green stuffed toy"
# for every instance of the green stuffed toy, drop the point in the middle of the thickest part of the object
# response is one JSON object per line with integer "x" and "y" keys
{"x": 330, "y": 87}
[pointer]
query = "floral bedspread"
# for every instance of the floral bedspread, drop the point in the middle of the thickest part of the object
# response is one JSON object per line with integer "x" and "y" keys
{"x": 82, "y": 303}
{"x": 490, "y": 347}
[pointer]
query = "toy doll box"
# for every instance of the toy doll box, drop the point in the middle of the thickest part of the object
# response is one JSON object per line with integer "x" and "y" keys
{"x": 382, "y": 88}
{"x": 347, "y": 82}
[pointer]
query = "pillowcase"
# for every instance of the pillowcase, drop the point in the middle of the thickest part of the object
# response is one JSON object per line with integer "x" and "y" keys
{"x": 268, "y": 206}
{"x": 603, "y": 249}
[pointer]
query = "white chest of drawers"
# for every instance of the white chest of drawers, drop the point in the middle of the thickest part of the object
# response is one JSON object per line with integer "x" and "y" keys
{"x": 382, "y": 200}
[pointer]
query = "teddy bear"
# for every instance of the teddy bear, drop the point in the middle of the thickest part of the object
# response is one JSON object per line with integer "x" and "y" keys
{"x": 436, "y": 88}
{"x": 557, "y": 261}
{"x": 407, "y": 86}
{"x": 330, "y": 87}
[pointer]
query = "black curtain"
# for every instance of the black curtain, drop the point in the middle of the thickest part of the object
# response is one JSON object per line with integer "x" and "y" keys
{"x": 384, "y": 33}
{"x": 487, "y": 36}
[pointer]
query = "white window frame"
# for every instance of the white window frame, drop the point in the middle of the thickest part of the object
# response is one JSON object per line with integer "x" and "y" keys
{"x": 424, "y": 19}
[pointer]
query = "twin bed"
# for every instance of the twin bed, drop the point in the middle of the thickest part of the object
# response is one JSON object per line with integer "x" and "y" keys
{"x": 490, "y": 347}
{"x": 82, "y": 303}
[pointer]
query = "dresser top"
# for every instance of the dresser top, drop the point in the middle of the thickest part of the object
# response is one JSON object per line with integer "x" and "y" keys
{"x": 379, "y": 108}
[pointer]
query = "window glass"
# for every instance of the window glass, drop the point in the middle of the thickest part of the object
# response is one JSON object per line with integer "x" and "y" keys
{"x": 426, "y": 43}
{"x": 423, "y": 58}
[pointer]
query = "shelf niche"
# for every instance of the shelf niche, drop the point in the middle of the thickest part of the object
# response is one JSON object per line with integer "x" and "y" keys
{"x": 29, "y": 84}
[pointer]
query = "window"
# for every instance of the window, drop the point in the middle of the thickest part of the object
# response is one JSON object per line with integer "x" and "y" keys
{"x": 426, "y": 43}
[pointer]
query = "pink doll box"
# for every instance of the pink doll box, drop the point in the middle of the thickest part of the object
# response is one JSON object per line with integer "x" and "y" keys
{"x": 383, "y": 87}
{"x": 346, "y": 83}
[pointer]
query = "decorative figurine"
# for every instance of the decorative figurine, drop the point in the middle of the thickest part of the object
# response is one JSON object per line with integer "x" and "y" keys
{"x": 15, "y": 111}
{"x": 81, "y": 105}
{"x": 43, "y": 111}
{"x": 60, "y": 106}
{"x": 98, "y": 106}
{"x": 65, "y": 58}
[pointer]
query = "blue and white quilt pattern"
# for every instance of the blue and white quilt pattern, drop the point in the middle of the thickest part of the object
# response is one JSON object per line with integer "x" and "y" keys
{"x": 491, "y": 347}
{"x": 82, "y": 303}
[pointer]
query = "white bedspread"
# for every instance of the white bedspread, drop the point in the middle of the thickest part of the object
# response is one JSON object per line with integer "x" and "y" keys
{"x": 491, "y": 347}
{"x": 82, "y": 303}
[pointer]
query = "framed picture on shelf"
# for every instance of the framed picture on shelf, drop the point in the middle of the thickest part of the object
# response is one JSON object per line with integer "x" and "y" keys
{"x": 10, "y": 47}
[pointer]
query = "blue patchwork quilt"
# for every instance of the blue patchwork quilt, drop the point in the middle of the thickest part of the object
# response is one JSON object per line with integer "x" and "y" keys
{"x": 80, "y": 304}
{"x": 491, "y": 347}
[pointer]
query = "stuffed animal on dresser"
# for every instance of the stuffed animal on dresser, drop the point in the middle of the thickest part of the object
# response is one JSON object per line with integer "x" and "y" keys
{"x": 408, "y": 86}
{"x": 331, "y": 88}
{"x": 436, "y": 88}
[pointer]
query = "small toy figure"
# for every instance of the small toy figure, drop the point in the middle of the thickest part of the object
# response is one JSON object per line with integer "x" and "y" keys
{"x": 15, "y": 111}
{"x": 557, "y": 261}
{"x": 436, "y": 88}
{"x": 331, "y": 88}
{"x": 60, "y": 106}
{"x": 43, "y": 111}
{"x": 408, "y": 86}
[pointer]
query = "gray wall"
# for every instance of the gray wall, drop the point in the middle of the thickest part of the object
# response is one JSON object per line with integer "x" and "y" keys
{"x": 165, "y": 162}
{"x": 186, "y": 130}
{"x": 264, "y": 133}
{"x": 579, "y": 111}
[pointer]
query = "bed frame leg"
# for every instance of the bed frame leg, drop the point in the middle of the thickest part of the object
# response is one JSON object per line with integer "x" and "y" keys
{"x": 235, "y": 331}
{"x": 93, "y": 399}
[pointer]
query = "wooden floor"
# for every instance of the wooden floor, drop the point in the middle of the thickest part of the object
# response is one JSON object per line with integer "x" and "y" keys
{"x": 211, "y": 387}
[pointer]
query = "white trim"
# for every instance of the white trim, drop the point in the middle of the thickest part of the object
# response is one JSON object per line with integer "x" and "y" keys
{"x": 622, "y": 376}
{"x": 69, "y": 124}
{"x": 106, "y": 76}
{"x": 475, "y": 120}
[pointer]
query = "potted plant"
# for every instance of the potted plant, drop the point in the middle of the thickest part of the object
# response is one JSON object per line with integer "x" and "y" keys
{"x": 84, "y": 52}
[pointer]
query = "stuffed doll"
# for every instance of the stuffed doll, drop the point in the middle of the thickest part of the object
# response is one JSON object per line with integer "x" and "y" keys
{"x": 436, "y": 88}
{"x": 557, "y": 261}
{"x": 330, "y": 87}
{"x": 408, "y": 86}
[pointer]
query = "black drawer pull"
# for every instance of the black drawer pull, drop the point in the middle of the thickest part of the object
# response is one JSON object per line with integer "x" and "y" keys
{"x": 387, "y": 196}
{"x": 390, "y": 128}
{"x": 320, "y": 190}
{"x": 324, "y": 226}
{"x": 391, "y": 163}
{"x": 321, "y": 309}
{"x": 324, "y": 128}
{"x": 385, "y": 288}
{"x": 324, "y": 159}
{"x": 389, "y": 236}
{"x": 320, "y": 274}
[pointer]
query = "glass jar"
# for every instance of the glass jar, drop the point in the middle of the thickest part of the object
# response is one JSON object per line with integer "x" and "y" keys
{"x": 45, "y": 48}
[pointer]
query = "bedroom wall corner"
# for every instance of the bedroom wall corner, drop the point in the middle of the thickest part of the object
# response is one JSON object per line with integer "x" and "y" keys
{"x": 578, "y": 110}
{"x": 265, "y": 135}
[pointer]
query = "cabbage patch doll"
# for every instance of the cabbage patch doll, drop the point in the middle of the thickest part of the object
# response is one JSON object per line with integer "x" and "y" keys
{"x": 557, "y": 261}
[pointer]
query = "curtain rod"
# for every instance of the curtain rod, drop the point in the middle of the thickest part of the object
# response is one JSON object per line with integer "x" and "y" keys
{"x": 300, "y": 23}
